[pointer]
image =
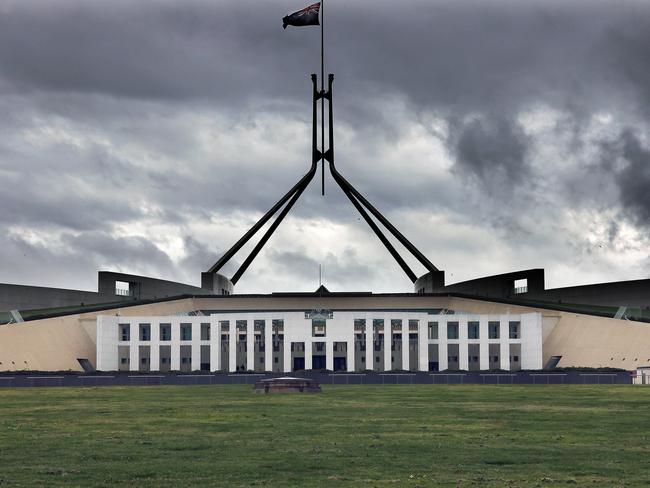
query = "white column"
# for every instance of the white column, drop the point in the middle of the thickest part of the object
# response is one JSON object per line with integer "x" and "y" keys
{"x": 350, "y": 355}
{"x": 154, "y": 349}
{"x": 215, "y": 344}
{"x": 308, "y": 353}
{"x": 531, "y": 340}
{"x": 134, "y": 349}
{"x": 329, "y": 355}
{"x": 406, "y": 349}
{"x": 287, "y": 352}
{"x": 443, "y": 352}
{"x": 268, "y": 345}
{"x": 504, "y": 342}
{"x": 463, "y": 356}
{"x": 370, "y": 354}
{"x": 484, "y": 345}
{"x": 423, "y": 345}
{"x": 250, "y": 345}
{"x": 388, "y": 342}
{"x": 232, "y": 346}
{"x": 196, "y": 345}
{"x": 175, "y": 345}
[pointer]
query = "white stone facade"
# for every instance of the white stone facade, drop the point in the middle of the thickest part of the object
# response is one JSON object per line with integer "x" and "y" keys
{"x": 289, "y": 341}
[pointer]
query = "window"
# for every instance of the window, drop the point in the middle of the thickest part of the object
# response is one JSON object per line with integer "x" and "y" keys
{"x": 514, "y": 359}
{"x": 473, "y": 359}
{"x": 521, "y": 286}
{"x": 318, "y": 327}
{"x": 165, "y": 332}
{"x": 277, "y": 325}
{"x": 452, "y": 330}
{"x": 359, "y": 325}
{"x": 225, "y": 325}
{"x": 125, "y": 332}
{"x": 205, "y": 332}
{"x": 275, "y": 359}
{"x": 144, "y": 360}
{"x": 452, "y": 359}
{"x": 433, "y": 330}
{"x": 164, "y": 360}
{"x": 514, "y": 330}
{"x": 472, "y": 330}
{"x": 414, "y": 324}
{"x": 186, "y": 360}
{"x": 396, "y": 324}
{"x": 124, "y": 360}
{"x": 145, "y": 332}
{"x": 493, "y": 330}
{"x": 186, "y": 332}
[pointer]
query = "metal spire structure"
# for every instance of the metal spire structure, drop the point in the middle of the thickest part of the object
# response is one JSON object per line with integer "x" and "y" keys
{"x": 322, "y": 155}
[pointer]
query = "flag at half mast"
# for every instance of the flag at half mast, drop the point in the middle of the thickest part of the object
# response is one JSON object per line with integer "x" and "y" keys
{"x": 306, "y": 16}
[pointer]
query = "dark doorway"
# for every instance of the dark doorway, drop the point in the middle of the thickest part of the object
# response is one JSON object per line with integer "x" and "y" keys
{"x": 298, "y": 364}
{"x": 340, "y": 364}
{"x": 318, "y": 362}
{"x": 433, "y": 366}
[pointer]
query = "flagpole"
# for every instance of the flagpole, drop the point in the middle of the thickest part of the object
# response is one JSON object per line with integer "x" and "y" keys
{"x": 322, "y": 89}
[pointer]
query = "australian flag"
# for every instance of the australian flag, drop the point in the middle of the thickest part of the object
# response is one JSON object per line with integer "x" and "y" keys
{"x": 306, "y": 16}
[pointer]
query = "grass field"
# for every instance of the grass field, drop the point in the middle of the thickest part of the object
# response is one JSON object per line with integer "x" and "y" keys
{"x": 416, "y": 435}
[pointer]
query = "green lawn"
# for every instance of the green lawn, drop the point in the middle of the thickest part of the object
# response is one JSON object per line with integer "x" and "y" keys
{"x": 419, "y": 435}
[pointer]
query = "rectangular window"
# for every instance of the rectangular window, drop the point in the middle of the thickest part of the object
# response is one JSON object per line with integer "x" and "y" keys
{"x": 205, "y": 332}
{"x": 493, "y": 330}
{"x": 414, "y": 324}
{"x": 145, "y": 332}
{"x": 318, "y": 327}
{"x": 165, "y": 332}
{"x": 124, "y": 360}
{"x": 452, "y": 330}
{"x": 359, "y": 325}
{"x": 514, "y": 330}
{"x": 225, "y": 325}
{"x": 186, "y": 332}
{"x": 378, "y": 324}
{"x": 241, "y": 325}
{"x": 396, "y": 324}
{"x": 277, "y": 325}
{"x": 472, "y": 330}
{"x": 125, "y": 332}
{"x": 433, "y": 330}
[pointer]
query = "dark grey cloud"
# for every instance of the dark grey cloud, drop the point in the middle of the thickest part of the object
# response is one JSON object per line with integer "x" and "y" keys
{"x": 492, "y": 152}
{"x": 147, "y": 136}
{"x": 633, "y": 177}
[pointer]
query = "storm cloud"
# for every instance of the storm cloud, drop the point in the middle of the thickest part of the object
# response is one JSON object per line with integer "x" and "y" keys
{"x": 148, "y": 136}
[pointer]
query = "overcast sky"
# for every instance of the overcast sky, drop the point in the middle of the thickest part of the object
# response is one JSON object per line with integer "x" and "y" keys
{"x": 146, "y": 137}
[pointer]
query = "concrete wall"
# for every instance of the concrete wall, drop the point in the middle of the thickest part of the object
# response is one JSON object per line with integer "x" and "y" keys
{"x": 581, "y": 340}
{"x": 56, "y": 343}
{"x": 22, "y": 297}
{"x": 298, "y": 329}
{"x": 144, "y": 287}
{"x": 633, "y": 293}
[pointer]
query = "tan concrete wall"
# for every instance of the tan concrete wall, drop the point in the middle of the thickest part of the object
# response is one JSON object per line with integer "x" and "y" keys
{"x": 54, "y": 344}
{"x": 582, "y": 340}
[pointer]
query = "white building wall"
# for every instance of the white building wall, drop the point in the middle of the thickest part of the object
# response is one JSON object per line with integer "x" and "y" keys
{"x": 340, "y": 328}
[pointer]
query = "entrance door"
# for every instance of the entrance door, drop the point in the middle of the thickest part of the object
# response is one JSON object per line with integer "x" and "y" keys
{"x": 318, "y": 362}
{"x": 340, "y": 364}
{"x": 298, "y": 364}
